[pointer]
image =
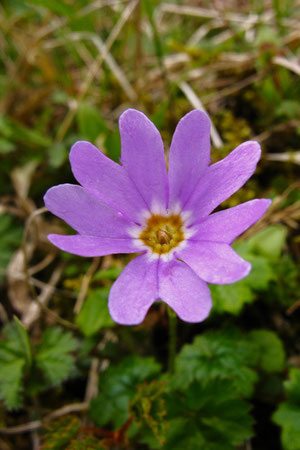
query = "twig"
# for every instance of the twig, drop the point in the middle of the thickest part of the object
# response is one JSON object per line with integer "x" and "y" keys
{"x": 34, "y": 425}
{"x": 288, "y": 64}
{"x": 111, "y": 62}
{"x": 237, "y": 86}
{"x": 43, "y": 298}
{"x": 42, "y": 264}
{"x": 92, "y": 383}
{"x": 212, "y": 13}
{"x": 85, "y": 284}
{"x": 274, "y": 214}
{"x": 290, "y": 157}
{"x": 93, "y": 70}
{"x": 41, "y": 301}
{"x": 293, "y": 308}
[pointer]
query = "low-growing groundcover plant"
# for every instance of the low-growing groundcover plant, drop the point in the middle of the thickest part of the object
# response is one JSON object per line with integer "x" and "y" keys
{"x": 71, "y": 377}
{"x": 205, "y": 398}
{"x": 139, "y": 207}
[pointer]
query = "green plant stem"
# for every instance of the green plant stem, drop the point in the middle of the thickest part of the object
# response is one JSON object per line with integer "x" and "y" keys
{"x": 172, "y": 338}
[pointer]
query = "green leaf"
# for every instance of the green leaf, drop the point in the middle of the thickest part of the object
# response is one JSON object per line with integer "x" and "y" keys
{"x": 209, "y": 415}
{"x": 17, "y": 132}
{"x": 288, "y": 413}
{"x": 148, "y": 410}
{"x": 292, "y": 386}
{"x": 11, "y": 373}
{"x": 57, "y": 6}
{"x": 289, "y": 109}
{"x": 112, "y": 145}
{"x": 11, "y": 237}
{"x": 269, "y": 242}
{"x": 54, "y": 356}
{"x": 261, "y": 272}
{"x": 94, "y": 314}
{"x": 6, "y": 146}
{"x": 24, "y": 339}
{"x": 108, "y": 274}
{"x": 231, "y": 298}
{"x": 85, "y": 442}
{"x": 118, "y": 385}
{"x": 57, "y": 154}
{"x": 270, "y": 350}
{"x": 14, "y": 356}
{"x": 224, "y": 354}
{"x": 90, "y": 123}
{"x": 60, "y": 432}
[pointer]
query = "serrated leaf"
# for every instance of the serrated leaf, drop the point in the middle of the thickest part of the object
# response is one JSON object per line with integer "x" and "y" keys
{"x": 147, "y": 409}
{"x": 85, "y": 442}
{"x": 13, "y": 359}
{"x": 210, "y": 415}
{"x": 224, "y": 354}
{"x": 118, "y": 384}
{"x": 271, "y": 354}
{"x": 54, "y": 356}
{"x": 24, "y": 339}
{"x": 60, "y": 432}
{"x": 94, "y": 314}
{"x": 288, "y": 413}
{"x": 11, "y": 373}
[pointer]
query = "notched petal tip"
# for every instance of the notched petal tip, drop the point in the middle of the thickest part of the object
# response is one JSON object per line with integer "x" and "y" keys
{"x": 198, "y": 316}
{"x": 123, "y": 319}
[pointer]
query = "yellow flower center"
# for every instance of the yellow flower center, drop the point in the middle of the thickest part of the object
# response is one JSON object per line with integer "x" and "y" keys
{"x": 162, "y": 234}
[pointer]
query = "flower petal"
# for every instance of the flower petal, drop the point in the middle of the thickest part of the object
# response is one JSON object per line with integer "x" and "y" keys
{"x": 105, "y": 179}
{"x": 134, "y": 291}
{"x": 143, "y": 157}
{"x": 189, "y": 155}
{"x": 225, "y": 226}
{"x": 84, "y": 212}
{"x": 214, "y": 262}
{"x": 184, "y": 291}
{"x": 224, "y": 178}
{"x": 91, "y": 245}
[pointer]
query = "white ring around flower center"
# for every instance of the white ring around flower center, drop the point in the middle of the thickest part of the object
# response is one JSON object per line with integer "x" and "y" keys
{"x": 162, "y": 232}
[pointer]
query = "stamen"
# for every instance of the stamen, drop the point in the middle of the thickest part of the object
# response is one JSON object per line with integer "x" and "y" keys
{"x": 163, "y": 236}
{"x": 163, "y": 233}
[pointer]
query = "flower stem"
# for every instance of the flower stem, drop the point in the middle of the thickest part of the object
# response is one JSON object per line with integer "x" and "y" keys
{"x": 172, "y": 338}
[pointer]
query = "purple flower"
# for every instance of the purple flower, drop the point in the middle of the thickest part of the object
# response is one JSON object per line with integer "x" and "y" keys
{"x": 139, "y": 207}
